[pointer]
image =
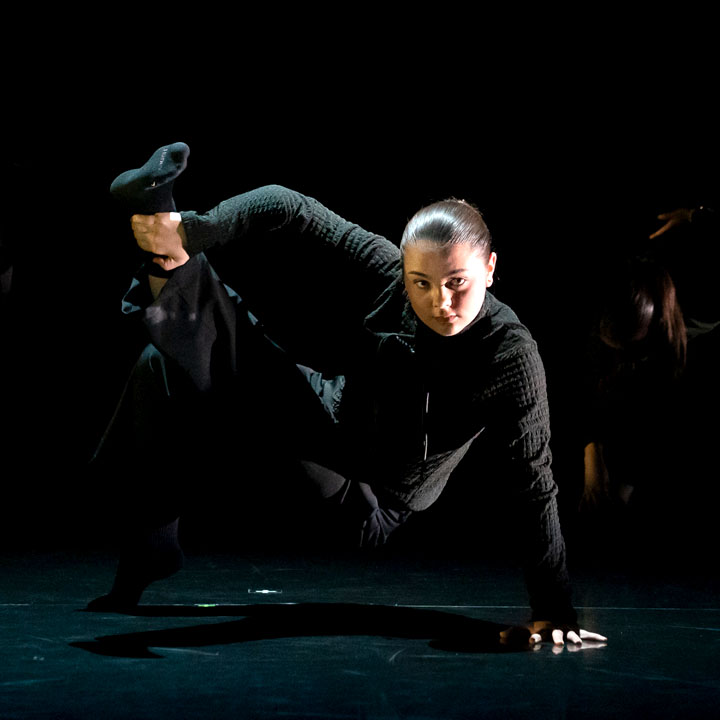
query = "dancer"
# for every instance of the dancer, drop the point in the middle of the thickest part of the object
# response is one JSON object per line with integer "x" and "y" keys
{"x": 433, "y": 364}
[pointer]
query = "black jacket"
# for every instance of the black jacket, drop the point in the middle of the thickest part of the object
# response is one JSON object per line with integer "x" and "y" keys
{"x": 414, "y": 402}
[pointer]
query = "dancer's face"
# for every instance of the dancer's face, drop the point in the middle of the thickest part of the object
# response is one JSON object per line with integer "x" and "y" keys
{"x": 446, "y": 286}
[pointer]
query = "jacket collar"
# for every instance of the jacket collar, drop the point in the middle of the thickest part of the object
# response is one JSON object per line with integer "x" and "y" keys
{"x": 391, "y": 304}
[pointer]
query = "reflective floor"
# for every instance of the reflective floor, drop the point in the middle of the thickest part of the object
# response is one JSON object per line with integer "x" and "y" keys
{"x": 298, "y": 635}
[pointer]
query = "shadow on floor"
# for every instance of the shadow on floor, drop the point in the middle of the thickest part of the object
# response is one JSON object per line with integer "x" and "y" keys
{"x": 445, "y": 630}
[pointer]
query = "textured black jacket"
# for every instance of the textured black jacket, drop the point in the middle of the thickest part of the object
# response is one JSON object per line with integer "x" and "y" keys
{"x": 414, "y": 402}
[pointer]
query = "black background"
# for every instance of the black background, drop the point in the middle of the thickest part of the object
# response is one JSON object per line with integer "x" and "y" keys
{"x": 570, "y": 138}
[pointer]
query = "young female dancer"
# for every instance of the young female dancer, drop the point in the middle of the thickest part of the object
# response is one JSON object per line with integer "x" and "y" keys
{"x": 413, "y": 363}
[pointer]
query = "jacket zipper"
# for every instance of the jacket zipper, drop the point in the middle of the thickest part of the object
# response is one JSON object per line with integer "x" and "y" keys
{"x": 426, "y": 405}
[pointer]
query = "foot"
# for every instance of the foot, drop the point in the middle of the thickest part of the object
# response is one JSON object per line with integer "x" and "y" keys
{"x": 149, "y": 555}
{"x": 148, "y": 190}
{"x": 133, "y": 576}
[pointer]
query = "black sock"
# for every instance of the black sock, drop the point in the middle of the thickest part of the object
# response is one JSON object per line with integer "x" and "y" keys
{"x": 149, "y": 189}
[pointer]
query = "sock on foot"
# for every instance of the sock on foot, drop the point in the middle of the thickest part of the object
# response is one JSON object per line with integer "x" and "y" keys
{"x": 149, "y": 189}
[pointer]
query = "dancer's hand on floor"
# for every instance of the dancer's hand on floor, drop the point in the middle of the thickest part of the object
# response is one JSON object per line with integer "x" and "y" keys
{"x": 543, "y": 631}
{"x": 539, "y": 632}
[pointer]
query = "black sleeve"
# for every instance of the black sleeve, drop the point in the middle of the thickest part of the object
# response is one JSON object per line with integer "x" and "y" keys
{"x": 277, "y": 227}
{"x": 524, "y": 461}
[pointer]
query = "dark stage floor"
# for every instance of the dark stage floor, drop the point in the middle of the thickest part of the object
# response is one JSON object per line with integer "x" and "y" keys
{"x": 393, "y": 636}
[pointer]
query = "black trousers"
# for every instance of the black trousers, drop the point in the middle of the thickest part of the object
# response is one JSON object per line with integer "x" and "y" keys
{"x": 211, "y": 401}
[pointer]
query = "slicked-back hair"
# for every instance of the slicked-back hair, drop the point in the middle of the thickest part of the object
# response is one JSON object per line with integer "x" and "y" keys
{"x": 448, "y": 222}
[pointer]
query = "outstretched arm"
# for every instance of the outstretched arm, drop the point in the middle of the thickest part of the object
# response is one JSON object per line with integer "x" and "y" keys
{"x": 288, "y": 227}
{"x": 526, "y": 458}
{"x": 287, "y": 219}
